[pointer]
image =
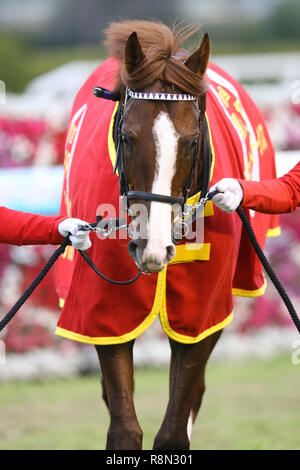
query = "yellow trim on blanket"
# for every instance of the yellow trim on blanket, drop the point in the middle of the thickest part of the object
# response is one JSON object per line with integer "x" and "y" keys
{"x": 274, "y": 232}
{"x": 183, "y": 254}
{"x": 110, "y": 139}
{"x": 191, "y": 252}
{"x": 61, "y": 302}
{"x": 190, "y": 339}
{"x": 208, "y": 209}
{"x": 117, "y": 339}
{"x": 163, "y": 315}
{"x": 250, "y": 293}
{"x": 109, "y": 339}
{"x": 213, "y": 155}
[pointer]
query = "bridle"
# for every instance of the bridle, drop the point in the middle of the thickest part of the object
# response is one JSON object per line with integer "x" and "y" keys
{"x": 192, "y": 212}
{"x": 125, "y": 191}
{"x": 120, "y": 165}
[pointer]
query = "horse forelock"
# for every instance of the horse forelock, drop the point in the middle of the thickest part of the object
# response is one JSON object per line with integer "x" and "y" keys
{"x": 164, "y": 56}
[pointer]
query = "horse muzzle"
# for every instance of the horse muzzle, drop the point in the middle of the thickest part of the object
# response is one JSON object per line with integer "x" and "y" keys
{"x": 152, "y": 259}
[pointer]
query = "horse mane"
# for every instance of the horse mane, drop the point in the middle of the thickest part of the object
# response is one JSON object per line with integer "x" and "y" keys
{"x": 165, "y": 56}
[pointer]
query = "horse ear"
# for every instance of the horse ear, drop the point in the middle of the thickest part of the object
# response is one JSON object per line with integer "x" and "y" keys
{"x": 197, "y": 62}
{"x": 134, "y": 55}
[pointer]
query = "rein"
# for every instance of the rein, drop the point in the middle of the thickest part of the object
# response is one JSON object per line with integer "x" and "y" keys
{"x": 106, "y": 227}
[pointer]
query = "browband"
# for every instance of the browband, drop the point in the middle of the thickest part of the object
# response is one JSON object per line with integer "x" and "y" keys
{"x": 101, "y": 92}
{"x": 141, "y": 95}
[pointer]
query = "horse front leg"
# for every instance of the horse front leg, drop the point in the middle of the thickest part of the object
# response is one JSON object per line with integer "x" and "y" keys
{"x": 187, "y": 370}
{"x": 116, "y": 363}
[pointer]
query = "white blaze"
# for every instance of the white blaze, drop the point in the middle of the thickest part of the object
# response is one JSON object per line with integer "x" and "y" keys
{"x": 159, "y": 226}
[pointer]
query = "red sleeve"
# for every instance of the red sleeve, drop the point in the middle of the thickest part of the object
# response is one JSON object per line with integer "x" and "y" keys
{"x": 22, "y": 228}
{"x": 274, "y": 196}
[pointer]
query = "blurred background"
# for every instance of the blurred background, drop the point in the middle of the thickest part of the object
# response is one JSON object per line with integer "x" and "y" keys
{"x": 47, "y": 49}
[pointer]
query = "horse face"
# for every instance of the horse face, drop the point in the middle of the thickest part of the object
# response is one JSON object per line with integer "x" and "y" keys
{"x": 159, "y": 140}
{"x": 159, "y": 143}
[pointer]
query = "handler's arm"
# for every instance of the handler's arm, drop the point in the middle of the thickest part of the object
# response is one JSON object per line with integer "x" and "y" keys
{"x": 23, "y": 228}
{"x": 274, "y": 196}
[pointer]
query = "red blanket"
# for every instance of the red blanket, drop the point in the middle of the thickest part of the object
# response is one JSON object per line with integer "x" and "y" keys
{"x": 193, "y": 295}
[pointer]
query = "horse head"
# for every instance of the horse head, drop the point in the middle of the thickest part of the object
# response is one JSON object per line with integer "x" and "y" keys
{"x": 162, "y": 93}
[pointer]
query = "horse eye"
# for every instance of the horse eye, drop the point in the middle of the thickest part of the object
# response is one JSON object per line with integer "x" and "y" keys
{"x": 126, "y": 141}
{"x": 193, "y": 144}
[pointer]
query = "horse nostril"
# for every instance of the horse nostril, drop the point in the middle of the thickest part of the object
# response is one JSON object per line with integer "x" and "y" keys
{"x": 171, "y": 250}
{"x": 132, "y": 248}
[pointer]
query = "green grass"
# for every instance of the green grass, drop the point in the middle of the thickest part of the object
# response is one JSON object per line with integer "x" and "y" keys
{"x": 251, "y": 405}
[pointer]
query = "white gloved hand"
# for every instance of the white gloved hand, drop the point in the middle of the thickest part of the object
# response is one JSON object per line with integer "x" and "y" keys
{"x": 230, "y": 194}
{"x": 80, "y": 239}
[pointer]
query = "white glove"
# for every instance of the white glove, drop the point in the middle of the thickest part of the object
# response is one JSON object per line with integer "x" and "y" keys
{"x": 230, "y": 194}
{"x": 80, "y": 239}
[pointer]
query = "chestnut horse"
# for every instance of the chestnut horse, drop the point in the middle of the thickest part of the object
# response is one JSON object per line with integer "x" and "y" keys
{"x": 162, "y": 147}
{"x": 159, "y": 139}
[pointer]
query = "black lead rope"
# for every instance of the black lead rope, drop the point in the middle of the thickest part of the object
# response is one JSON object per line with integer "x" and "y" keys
{"x": 60, "y": 250}
{"x": 34, "y": 283}
{"x": 265, "y": 263}
{"x": 94, "y": 268}
{"x": 66, "y": 242}
{"x": 268, "y": 268}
